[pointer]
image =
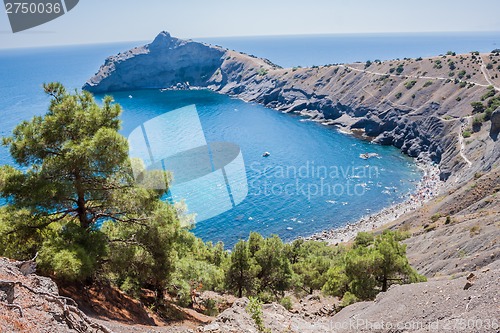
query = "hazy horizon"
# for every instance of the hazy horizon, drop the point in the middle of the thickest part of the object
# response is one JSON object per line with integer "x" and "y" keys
{"x": 97, "y": 22}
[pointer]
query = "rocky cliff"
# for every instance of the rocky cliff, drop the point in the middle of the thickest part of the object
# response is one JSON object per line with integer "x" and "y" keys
{"x": 31, "y": 303}
{"x": 421, "y": 106}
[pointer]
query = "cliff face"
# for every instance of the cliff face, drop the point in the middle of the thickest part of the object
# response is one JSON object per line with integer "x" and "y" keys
{"x": 421, "y": 106}
{"x": 163, "y": 63}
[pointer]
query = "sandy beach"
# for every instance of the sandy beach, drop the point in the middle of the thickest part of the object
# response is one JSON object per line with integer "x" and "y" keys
{"x": 428, "y": 187}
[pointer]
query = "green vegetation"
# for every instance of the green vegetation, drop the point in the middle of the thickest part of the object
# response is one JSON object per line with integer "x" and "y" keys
{"x": 427, "y": 83}
{"x": 489, "y": 65}
{"x": 451, "y": 53}
{"x": 466, "y": 134}
{"x": 76, "y": 203}
{"x": 400, "y": 69}
{"x": 437, "y": 64}
{"x": 262, "y": 71}
{"x": 254, "y": 309}
{"x": 370, "y": 267}
{"x": 410, "y": 84}
{"x": 368, "y": 64}
{"x": 398, "y": 95}
{"x": 435, "y": 217}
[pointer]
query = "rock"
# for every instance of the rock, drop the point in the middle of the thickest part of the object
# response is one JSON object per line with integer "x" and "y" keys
{"x": 32, "y": 302}
{"x": 468, "y": 284}
{"x": 495, "y": 124}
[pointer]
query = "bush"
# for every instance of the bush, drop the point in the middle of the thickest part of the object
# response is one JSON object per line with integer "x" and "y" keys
{"x": 475, "y": 230}
{"x": 466, "y": 134}
{"x": 400, "y": 69}
{"x": 428, "y": 83}
{"x": 410, "y": 84}
{"x": 435, "y": 217}
{"x": 489, "y": 66}
{"x": 262, "y": 71}
{"x": 286, "y": 302}
{"x": 398, "y": 95}
{"x": 348, "y": 299}
{"x": 477, "y": 107}
{"x": 254, "y": 309}
{"x": 368, "y": 64}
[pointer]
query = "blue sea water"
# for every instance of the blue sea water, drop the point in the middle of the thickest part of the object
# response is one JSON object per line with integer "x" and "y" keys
{"x": 314, "y": 178}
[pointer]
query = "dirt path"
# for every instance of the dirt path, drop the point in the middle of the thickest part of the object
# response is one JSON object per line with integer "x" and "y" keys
{"x": 483, "y": 69}
{"x": 487, "y": 74}
{"x": 465, "y": 123}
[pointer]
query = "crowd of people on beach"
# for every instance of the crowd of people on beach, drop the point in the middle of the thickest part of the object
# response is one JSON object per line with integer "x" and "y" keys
{"x": 427, "y": 188}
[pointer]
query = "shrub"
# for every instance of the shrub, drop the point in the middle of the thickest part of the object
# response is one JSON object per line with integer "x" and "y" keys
{"x": 398, "y": 95}
{"x": 368, "y": 63}
{"x": 400, "y": 69}
{"x": 461, "y": 74}
{"x": 348, "y": 299}
{"x": 254, "y": 309}
{"x": 428, "y": 83}
{"x": 262, "y": 71}
{"x": 466, "y": 134}
{"x": 286, "y": 302}
{"x": 489, "y": 94}
{"x": 211, "y": 307}
{"x": 435, "y": 217}
{"x": 410, "y": 84}
{"x": 489, "y": 66}
{"x": 477, "y": 107}
{"x": 451, "y": 53}
{"x": 475, "y": 230}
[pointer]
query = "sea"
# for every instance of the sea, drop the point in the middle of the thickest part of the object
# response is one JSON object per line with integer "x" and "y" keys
{"x": 313, "y": 178}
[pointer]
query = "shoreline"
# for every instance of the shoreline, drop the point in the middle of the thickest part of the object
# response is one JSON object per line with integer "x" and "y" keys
{"x": 427, "y": 188}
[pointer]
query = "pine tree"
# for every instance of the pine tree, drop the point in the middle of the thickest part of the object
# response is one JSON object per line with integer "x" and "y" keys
{"x": 241, "y": 273}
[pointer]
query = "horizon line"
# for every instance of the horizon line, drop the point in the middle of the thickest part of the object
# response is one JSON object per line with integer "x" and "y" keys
{"x": 249, "y": 36}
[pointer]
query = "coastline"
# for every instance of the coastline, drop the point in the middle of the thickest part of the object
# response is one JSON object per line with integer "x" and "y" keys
{"x": 427, "y": 188}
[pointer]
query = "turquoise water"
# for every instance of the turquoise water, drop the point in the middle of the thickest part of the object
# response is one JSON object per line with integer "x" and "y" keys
{"x": 313, "y": 180}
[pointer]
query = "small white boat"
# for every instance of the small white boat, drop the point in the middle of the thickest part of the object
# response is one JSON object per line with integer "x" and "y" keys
{"x": 266, "y": 154}
{"x": 130, "y": 96}
{"x": 366, "y": 156}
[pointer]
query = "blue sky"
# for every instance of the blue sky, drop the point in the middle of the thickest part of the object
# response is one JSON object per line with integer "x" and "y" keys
{"x": 102, "y": 21}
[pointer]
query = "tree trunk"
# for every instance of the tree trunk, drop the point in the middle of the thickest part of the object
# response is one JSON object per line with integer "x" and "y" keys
{"x": 81, "y": 209}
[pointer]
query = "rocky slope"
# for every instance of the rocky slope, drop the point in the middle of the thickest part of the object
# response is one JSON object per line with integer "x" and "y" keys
{"x": 31, "y": 303}
{"x": 421, "y": 106}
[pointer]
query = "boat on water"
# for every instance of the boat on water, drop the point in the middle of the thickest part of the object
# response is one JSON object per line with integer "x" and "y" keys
{"x": 366, "y": 156}
{"x": 266, "y": 154}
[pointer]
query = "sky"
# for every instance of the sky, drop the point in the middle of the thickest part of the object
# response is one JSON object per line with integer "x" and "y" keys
{"x": 105, "y": 21}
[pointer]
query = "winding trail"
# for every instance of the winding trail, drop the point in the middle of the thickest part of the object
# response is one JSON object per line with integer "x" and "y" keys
{"x": 465, "y": 123}
{"x": 487, "y": 74}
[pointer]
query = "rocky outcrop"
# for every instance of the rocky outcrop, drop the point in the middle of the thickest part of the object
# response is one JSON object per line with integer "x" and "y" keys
{"x": 495, "y": 124}
{"x": 166, "y": 62}
{"x": 31, "y": 303}
{"x": 414, "y": 104}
